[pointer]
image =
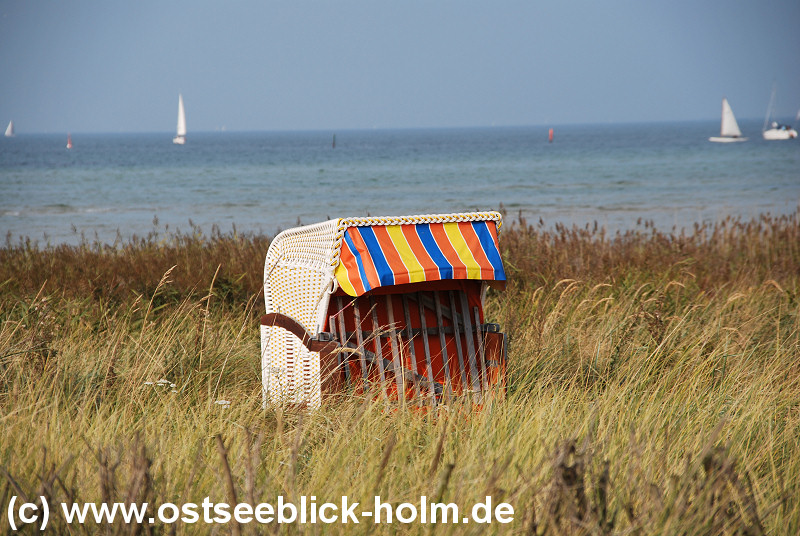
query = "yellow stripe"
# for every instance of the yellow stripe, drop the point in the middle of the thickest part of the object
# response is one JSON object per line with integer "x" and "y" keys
{"x": 464, "y": 253}
{"x": 344, "y": 280}
{"x": 415, "y": 270}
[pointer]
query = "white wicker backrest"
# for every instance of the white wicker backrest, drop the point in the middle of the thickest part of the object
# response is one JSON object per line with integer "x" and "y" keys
{"x": 297, "y": 280}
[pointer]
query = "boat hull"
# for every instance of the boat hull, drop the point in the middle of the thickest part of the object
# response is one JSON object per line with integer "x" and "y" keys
{"x": 179, "y": 140}
{"x": 780, "y": 134}
{"x": 725, "y": 139}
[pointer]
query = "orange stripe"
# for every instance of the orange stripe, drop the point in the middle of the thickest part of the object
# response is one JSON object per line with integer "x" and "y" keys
{"x": 348, "y": 261}
{"x": 474, "y": 243}
{"x": 399, "y": 269}
{"x": 369, "y": 266}
{"x": 447, "y": 249}
{"x": 431, "y": 270}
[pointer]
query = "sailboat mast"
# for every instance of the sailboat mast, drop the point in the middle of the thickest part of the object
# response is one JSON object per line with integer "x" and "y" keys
{"x": 722, "y": 123}
{"x": 769, "y": 108}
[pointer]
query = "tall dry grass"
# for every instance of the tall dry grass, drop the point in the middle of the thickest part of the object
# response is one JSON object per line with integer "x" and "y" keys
{"x": 653, "y": 388}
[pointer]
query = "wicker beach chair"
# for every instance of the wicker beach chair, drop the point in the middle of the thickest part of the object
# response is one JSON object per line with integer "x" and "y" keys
{"x": 386, "y": 307}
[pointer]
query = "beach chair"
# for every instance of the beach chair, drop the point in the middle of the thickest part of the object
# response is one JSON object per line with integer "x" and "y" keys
{"x": 388, "y": 307}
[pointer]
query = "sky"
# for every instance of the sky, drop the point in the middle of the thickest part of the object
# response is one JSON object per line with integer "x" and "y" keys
{"x": 242, "y": 65}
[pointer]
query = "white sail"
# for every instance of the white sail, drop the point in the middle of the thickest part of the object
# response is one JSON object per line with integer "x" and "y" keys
{"x": 181, "y": 117}
{"x": 180, "y": 137}
{"x": 729, "y": 127}
{"x": 10, "y": 129}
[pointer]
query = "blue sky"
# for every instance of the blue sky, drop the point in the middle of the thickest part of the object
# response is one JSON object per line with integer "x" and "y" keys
{"x": 302, "y": 65}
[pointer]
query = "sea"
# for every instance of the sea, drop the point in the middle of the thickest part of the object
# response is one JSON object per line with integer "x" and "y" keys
{"x": 111, "y": 187}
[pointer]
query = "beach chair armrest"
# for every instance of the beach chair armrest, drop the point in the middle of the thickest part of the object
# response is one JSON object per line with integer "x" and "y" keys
{"x": 293, "y": 326}
{"x": 328, "y": 347}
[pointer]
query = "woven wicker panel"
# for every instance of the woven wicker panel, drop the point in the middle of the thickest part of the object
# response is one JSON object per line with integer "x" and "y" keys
{"x": 297, "y": 278}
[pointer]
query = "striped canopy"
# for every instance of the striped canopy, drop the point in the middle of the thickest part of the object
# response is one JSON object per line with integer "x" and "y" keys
{"x": 380, "y": 255}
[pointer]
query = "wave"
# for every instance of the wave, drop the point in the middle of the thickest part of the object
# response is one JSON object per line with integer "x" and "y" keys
{"x": 62, "y": 208}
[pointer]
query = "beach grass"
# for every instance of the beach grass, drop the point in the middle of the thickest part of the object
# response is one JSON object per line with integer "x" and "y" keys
{"x": 654, "y": 388}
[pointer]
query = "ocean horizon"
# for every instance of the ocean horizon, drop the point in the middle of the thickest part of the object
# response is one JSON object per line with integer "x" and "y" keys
{"x": 112, "y": 186}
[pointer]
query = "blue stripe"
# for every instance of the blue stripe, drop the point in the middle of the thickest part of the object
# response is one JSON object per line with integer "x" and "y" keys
{"x": 426, "y": 237}
{"x": 489, "y": 247}
{"x": 385, "y": 274}
{"x": 359, "y": 262}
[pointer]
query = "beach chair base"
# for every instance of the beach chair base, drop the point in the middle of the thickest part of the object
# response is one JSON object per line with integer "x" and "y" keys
{"x": 423, "y": 345}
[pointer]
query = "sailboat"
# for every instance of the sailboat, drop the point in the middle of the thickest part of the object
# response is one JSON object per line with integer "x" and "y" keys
{"x": 776, "y": 131}
{"x": 180, "y": 137}
{"x": 729, "y": 128}
{"x": 69, "y": 141}
{"x": 10, "y": 129}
